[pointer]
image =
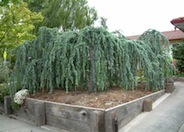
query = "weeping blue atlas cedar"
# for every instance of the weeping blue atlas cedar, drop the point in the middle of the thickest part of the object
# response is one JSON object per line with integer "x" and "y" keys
{"x": 92, "y": 59}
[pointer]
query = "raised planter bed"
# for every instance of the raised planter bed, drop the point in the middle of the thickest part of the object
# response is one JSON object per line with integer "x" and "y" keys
{"x": 83, "y": 119}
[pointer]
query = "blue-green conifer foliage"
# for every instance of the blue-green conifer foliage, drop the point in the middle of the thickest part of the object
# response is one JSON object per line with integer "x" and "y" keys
{"x": 92, "y": 59}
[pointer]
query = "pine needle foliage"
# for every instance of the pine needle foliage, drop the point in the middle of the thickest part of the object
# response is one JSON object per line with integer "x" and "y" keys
{"x": 92, "y": 59}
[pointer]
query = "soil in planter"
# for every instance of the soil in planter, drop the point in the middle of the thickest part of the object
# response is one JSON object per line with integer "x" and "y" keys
{"x": 112, "y": 97}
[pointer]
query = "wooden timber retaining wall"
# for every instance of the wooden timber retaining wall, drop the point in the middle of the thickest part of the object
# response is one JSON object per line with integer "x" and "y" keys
{"x": 1, "y": 108}
{"x": 120, "y": 115}
{"x": 81, "y": 119}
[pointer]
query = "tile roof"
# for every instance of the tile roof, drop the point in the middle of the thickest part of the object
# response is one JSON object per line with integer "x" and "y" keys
{"x": 171, "y": 35}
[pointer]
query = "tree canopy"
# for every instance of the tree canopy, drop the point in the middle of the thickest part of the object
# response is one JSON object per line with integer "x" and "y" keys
{"x": 91, "y": 58}
{"x": 6, "y": 2}
{"x": 16, "y": 24}
{"x": 65, "y": 14}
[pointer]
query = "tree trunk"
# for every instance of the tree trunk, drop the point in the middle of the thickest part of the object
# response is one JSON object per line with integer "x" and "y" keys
{"x": 91, "y": 84}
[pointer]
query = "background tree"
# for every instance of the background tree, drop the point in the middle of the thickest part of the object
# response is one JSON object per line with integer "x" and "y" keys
{"x": 16, "y": 24}
{"x": 64, "y": 14}
{"x": 6, "y": 2}
{"x": 104, "y": 22}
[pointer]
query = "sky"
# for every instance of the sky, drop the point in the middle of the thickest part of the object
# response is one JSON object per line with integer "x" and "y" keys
{"x": 133, "y": 17}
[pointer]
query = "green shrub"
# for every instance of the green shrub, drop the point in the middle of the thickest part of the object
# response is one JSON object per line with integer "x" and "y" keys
{"x": 178, "y": 54}
{"x": 4, "y": 70}
{"x": 4, "y": 91}
{"x": 180, "y": 74}
{"x": 15, "y": 106}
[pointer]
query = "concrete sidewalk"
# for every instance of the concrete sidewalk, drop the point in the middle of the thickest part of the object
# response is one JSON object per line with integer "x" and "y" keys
{"x": 12, "y": 125}
{"x": 168, "y": 116}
